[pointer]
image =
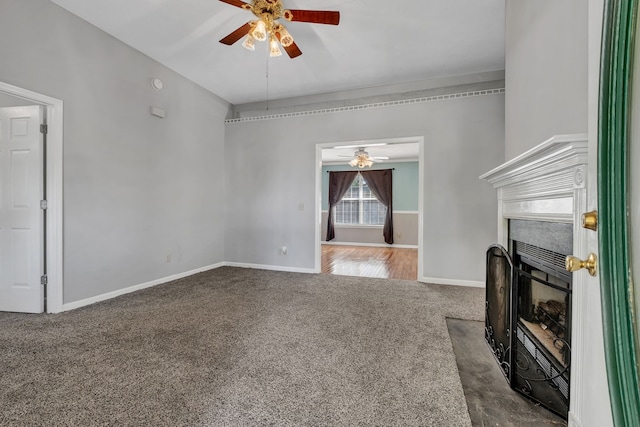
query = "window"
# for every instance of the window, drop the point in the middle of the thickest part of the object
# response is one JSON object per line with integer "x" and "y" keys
{"x": 359, "y": 206}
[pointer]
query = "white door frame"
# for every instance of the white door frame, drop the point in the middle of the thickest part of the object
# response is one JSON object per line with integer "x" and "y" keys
{"x": 53, "y": 118}
{"x": 318, "y": 204}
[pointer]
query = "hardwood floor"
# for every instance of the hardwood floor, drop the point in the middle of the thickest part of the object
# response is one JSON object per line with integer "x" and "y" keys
{"x": 383, "y": 262}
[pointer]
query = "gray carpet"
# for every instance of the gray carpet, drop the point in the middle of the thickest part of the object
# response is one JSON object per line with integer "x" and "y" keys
{"x": 242, "y": 347}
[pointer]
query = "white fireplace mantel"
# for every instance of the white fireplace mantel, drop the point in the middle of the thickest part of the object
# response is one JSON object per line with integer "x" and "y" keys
{"x": 549, "y": 183}
{"x": 543, "y": 184}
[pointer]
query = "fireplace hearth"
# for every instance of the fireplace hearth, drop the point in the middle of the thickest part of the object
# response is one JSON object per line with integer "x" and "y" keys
{"x": 528, "y": 311}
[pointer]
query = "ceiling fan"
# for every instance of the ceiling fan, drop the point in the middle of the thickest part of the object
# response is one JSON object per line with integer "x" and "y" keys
{"x": 267, "y": 26}
{"x": 361, "y": 159}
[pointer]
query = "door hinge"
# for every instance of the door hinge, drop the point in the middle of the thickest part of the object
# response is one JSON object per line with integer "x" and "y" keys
{"x": 44, "y": 129}
{"x": 43, "y": 204}
{"x": 43, "y": 279}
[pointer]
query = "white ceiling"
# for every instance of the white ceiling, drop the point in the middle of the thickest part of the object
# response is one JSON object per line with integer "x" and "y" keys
{"x": 378, "y": 42}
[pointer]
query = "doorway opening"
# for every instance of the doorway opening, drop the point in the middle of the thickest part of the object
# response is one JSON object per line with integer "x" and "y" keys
{"x": 52, "y": 233}
{"x": 359, "y": 247}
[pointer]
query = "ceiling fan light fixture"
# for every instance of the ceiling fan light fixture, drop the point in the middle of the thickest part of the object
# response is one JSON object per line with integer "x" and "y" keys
{"x": 274, "y": 49}
{"x": 267, "y": 26}
{"x": 361, "y": 163}
{"x": 283, "y": 35}
{"x": 361, "y": 159}
{"x": 260, "y": 31}
{"x": 249, "y": 42}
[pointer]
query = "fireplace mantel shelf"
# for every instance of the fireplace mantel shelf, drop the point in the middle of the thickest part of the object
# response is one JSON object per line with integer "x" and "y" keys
{"x": 540, "y": 184}
{"x": 556, "y": 153}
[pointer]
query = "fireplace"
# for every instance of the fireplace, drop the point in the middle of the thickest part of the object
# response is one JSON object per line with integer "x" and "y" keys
{"x": 529, "y": 291}
{"x": 535, "y": 315}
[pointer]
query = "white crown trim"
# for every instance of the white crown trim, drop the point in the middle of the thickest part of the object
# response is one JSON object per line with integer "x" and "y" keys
{"x": 434, "y": 98}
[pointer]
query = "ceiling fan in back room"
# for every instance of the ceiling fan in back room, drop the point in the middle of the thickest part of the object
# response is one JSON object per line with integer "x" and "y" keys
{"x": 267, "y": 26}
{"x": 361, "y": 159}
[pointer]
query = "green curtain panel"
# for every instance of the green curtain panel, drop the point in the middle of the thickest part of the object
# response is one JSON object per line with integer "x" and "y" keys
{"x": 620, "y": 337}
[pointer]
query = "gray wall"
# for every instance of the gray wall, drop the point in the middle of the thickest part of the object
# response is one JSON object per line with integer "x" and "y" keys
{"x": 271, "y": 171}
{"x": 545, "y": 71}
{"x": 552, "y": 63}
{"x": 136, "y": 188}
{"x": 12, "y": 101}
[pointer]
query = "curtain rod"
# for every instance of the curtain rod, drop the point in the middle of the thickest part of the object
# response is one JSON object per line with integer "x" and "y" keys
{"x": 390, "y": 169}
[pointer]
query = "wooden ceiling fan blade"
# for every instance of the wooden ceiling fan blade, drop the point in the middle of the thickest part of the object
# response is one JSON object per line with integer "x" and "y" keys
{"x": 314, "y": 16}
{"x": 237, "y": 34}
{"x": 286, "y": 40}
{"x": 237, "y": 3}
{"x": 292, "y": 50}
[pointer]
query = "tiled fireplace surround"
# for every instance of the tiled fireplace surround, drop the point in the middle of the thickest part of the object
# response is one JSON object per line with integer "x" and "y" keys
{"x": 548, "y": 183}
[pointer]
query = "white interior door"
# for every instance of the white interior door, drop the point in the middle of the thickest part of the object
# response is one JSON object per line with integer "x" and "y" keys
{"x": 21, "y": 218}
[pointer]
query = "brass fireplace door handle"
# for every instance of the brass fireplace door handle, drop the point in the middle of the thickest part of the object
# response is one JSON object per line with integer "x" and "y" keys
{"x": 574, "y": 264}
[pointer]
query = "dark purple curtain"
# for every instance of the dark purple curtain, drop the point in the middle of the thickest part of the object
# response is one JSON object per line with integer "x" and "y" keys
{"x": 379, "y": 182}
{"x": 339, "y": 183}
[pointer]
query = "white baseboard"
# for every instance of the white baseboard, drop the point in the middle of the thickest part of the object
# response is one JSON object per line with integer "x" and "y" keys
{"x": 113, "y": 294}
{"x": 452, "y": 282}
{"x": 573, "y": 420}
{"x": 270, "y": 267}
{"x": 116, "y": 293}
{"x": 371, "y": 245}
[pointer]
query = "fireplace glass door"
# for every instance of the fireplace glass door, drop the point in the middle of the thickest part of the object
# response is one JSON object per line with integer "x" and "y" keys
{"x": 542, "y": 344}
